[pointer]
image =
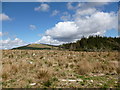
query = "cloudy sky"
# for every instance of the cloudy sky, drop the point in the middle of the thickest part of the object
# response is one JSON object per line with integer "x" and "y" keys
{"x": 56, "y": 22}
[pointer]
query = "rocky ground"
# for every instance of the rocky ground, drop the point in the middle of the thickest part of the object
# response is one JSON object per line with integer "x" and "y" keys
{"x": 59, "y": 69}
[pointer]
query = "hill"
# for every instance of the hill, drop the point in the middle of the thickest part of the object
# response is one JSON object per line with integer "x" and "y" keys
{"x": 37, "y": 47}
{"x": 94, "y": 43}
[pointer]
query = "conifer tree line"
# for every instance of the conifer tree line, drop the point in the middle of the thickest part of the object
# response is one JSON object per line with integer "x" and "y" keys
{"x": 94, "y": 43}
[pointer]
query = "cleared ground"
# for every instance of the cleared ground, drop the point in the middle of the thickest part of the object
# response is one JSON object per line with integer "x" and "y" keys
{"x": 59, "y": 69}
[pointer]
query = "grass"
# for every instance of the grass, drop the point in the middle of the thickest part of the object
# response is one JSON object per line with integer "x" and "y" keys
{"x": 44, "y": 75}
{"x": 47, "y": 68}
{"x": 84, "y": 67}
{"x": 36, "y": 47}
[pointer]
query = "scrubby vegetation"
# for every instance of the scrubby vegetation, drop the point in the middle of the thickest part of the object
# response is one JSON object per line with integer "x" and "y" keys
{"x": 91, "y": 62}
{"x": 59, "y": 69}
{"x": 94, "y": 43}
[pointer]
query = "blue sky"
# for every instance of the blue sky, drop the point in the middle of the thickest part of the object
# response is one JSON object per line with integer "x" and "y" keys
{"x": 37, "y": 22}
{"x": 23, "y": 15}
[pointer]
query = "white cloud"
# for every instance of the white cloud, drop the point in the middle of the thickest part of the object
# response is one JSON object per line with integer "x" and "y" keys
{"x": 63, "y": 31}
{"x": 43, "y": 7}
{"x": 60, "y": 0}
{"x": 8, "y": 43}
{"x": 85, "y": 22}
{"x": 103, "y": 0}
{"x": 95, "y": 20}
{"x": 69, "y": 5}
{"x": 41, "y": 0}
{"x": 32, "y": 27}
{"x": 66, "y": 16}
{"x": 49, "y": 40}
{"x": 4, "y": 17}
{"x": 84, "y": 12}
{"x": 55, "y": 12}
{"x": 1, "y": 34}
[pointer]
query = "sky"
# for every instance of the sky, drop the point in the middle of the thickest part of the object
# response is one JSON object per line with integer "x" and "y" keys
{"x": 56, "y": 22}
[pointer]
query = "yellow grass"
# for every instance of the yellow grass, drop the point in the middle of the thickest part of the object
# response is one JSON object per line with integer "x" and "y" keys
{"x": 47, "y": 67}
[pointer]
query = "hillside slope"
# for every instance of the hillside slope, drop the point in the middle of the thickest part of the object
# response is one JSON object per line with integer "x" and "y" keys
{"x": 36, "y": 47}
{"x": 94, "y": 43}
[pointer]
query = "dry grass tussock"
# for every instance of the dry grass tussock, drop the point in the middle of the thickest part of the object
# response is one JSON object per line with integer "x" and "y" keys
{"x": 84, "y": 67}
{"x": 44, "y": 74}
{"x": 46, "y": 68}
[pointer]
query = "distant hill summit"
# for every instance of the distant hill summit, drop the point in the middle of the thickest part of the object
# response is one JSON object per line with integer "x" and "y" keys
{"x": 94, "y": 43}
{"x": 37, "y": 47}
